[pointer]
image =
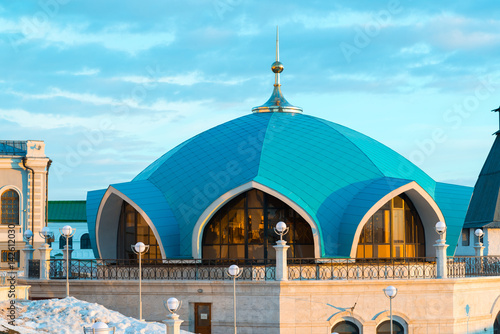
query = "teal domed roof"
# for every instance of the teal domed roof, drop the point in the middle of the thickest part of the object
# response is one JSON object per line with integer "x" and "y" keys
{"x": 333, "y": 173}
{"x": 317, "y": 164}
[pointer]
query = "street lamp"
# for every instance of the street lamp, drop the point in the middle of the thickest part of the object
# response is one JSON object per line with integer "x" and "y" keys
{"x": 441, "y": 229}
{"x": 281, "y": 229}
{"x": 234, "y": 271}
{"x": 172, "y": 305}
{"x": 390, "y": 292}
{"x": 67, "y": 232}
{"x": 99, "y": 327}
{"x": 479, "y": 234}
{"x": 140, "y": 248}
{"x": 27, "y": 237}
{"x": 46, "y": 234}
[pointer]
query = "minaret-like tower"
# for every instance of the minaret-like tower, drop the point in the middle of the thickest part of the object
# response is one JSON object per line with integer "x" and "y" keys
{"x": 277, "y": 102}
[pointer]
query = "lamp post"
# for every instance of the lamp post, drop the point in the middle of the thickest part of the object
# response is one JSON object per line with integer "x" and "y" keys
{"x": 390, "y": 292}
{"x": 67, "y": 232}
{"x": 479, "y": 245}
{"x": 281, "y": 248}
{"x": 441, "y": 260}
{"x": 44, "y": 250}
{"x": 234, "y": 271}
{"x": 27, "y": 251}
{"x": 140, "y": 248}
{"x": 172, "y": 322}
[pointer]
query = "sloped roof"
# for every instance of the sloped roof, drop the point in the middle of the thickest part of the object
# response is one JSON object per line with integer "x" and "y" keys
{"x": 484, "y": 206}
{"x": 67, "y": 211}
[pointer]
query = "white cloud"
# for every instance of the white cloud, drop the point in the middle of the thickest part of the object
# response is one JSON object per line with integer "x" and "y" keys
{"x": 118, "y": 37}
{"x": 83, "y": 72}
{"x": 418, "y": 49}
{"x": 187, "y": 79}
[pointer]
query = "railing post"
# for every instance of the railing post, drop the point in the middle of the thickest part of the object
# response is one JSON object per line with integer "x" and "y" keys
{"x": 441, "y": 259}
{"x": 44, "y": 261}
{"x": 281, "y": 260}
{"x": 28, "y": 255}
{"x": 173, "y": 324}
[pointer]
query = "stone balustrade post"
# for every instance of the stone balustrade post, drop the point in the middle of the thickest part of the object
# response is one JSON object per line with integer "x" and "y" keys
{"x": 479, "y": 248}
{"x": 281, "y": 260}
{"x": 44, "y": 261}
{"x": 28, "y": 255}
{"x": 173, "y": 324}
{"x": 441, "y": 258}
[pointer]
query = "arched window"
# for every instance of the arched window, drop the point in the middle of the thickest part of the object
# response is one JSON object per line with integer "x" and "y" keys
{"x": 62, "y": 242}
{"x": 244, "y": 229}
{"x": 394, "y": 231}
{"x": 132, "y": 229}
{"x": 85, "y": 241}
{"x": 10, "y": 207}
{"x": 496, "y": 325}
{"x": 345, "y": 327}
{"x": 385, "y": 328}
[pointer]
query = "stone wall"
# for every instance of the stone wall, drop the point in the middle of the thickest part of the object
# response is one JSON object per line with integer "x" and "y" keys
{"x": 422, "y": 306}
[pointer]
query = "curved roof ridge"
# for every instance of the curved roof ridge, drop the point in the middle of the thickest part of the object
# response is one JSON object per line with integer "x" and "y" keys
{"x": 348, "y": 139}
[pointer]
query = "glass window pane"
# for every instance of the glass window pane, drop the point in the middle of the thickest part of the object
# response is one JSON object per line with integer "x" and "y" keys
{"x": 256, "y": 226}
{"x": 345, "y": 327}
{"x": 255, "y": 199}
{"x": 236, "y": 224}
{"x": 398, "y": 226}
{"x": 256, "y": 251}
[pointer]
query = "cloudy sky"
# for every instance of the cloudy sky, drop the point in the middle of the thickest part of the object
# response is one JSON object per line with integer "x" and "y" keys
{"x": 112, "y": 85}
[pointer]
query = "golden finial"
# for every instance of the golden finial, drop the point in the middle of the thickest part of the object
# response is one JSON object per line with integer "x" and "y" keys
{"x": 277, "y": 102}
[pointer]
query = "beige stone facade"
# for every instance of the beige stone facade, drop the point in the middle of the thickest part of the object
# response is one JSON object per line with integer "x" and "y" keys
{"x": 24, "y": 171}
{"x": 298, "y": 307}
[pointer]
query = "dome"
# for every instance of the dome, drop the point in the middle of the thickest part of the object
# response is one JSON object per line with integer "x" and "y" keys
{"x": 333, "y": 174}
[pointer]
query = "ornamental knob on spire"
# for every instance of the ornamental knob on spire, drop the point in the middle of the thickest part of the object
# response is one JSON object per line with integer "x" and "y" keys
{"x": 277, "y": 102}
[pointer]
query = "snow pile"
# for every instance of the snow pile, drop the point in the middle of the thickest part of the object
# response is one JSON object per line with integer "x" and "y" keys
{"x": 69, "y": 316}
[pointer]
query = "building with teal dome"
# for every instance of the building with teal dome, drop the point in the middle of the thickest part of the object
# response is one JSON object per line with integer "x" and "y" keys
{"x": 219, "y": 195}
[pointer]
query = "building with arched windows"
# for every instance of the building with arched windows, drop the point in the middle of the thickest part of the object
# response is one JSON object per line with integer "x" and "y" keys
{"x": 220, "y": 194}
{"x": 23, "y": 192}
{"x": 355, "y": 211}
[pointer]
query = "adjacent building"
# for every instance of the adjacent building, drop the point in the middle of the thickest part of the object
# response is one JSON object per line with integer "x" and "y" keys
{"x": 24, "y": 171}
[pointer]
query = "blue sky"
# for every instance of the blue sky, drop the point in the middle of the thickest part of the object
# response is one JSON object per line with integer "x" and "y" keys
{"x": 112, "y": 85}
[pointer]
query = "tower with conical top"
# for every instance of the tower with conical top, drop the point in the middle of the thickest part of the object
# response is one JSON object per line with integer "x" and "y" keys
{"x": 277, "y": 102}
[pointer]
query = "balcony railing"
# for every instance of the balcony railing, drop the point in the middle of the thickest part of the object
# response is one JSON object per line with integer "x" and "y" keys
{"x": 265, "y": 270}
{"x": 356, "y": 269}
{"x": 473, "y": 266}
{"x": 252, "y": 270}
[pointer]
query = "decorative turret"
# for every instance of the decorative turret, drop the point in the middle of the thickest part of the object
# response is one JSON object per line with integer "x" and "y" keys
{"x": 277, "y": 102}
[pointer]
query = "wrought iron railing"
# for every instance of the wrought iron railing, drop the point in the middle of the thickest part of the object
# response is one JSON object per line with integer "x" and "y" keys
{"x": 355, "y": 269}
{"x": 473, "y": 266}
{"x": 34, "y": 269}
{"x": 265, "y": 270}
{"x": 253, "y": 270}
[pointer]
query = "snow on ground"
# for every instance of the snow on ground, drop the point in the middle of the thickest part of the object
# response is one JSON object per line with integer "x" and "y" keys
{"x": 69, "y": 316}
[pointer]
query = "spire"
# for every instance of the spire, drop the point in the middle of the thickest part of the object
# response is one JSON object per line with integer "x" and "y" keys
{"x": 277, "y": 102}
{"x": 498, "y": 111}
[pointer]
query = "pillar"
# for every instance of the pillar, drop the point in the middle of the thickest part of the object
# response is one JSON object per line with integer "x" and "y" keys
{"x": 173, "y": 324}
{"x": 28, "y": 255}
{"x": 281, "y": 260}
{"x": 44, "y": 261}
{"x": 479, "y": 248}
{"x": 441, "y": 259}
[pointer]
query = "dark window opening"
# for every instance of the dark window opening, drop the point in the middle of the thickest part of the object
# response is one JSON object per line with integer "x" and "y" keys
{"x": 465, "y": 237}
{"x": 85, "y": 241}
{"x": 385, "y": 328}
{"x": 345, "y": 327}
{"x": 62, "y": 242}
{"x": 10, "y": 207}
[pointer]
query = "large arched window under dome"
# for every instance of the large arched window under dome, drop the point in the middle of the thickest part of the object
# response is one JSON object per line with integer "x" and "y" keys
{"x": 394, "y": 231}
{"x": 133, "y": 228}
{"x": 244, "y": 229}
